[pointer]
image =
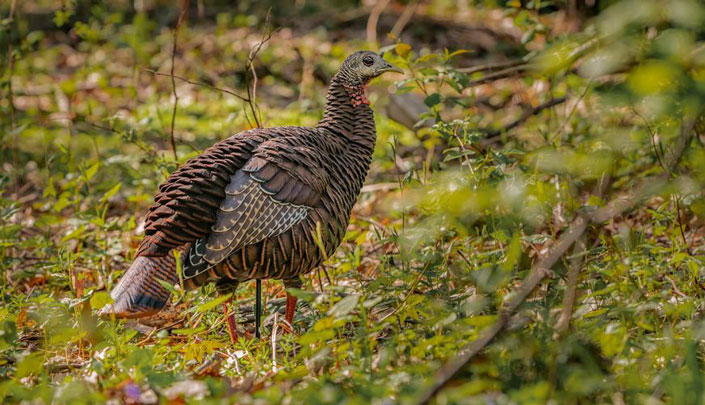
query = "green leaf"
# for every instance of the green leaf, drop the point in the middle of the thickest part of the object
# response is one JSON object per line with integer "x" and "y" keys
{"x": 213, "y": 303}
{"x": 428, "y": 71}
{"x": 100, "y": 299}
{"x": 49, "y": 191}
{"x": 316, "y": 336}
{"x": 110, "y": 193}
{"x": 91, "y": 171}
{"x": 189, "y": 331}
{"x": 433, "y": 99}
{"x": 75, "y": 234}
{"x": 168, "y": 286}
{"x": 30, "y": 364}
{"x": 404, "y": 90}
{"x": 458, "y": 52}
{"x": 344, "y": 306}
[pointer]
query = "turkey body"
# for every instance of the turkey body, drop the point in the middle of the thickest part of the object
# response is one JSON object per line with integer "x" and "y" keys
{"x": 255, "y": 206}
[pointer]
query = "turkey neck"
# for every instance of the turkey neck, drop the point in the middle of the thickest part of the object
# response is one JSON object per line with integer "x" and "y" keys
{"x": 344, "y": 118}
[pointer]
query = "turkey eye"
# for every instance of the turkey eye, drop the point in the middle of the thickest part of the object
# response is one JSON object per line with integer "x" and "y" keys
{"x": 368, "y": 61}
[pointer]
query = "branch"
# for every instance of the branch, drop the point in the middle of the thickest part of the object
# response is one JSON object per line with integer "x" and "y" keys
{"x": 10, "y": 66}
{"x": 542, "y": 269}
{"x": 502, "y": 74}
{"x": 576, "y": 263}
{"x": 537, "y": 274}
{"x": 179, "y": 21}
{"x": 492, "y": 66}
{"x": 183, "y": 79}
{"x": 512, "y": 68}
{"x": 371, "y": 28}
{"x": 11, "y": 97}
{"x": 404, "y": 19}
{"x": 252, "y": 91}
{"x": 525, "y": 116}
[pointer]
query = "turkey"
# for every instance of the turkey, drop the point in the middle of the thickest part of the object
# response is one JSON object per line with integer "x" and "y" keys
{"x": 254, "y": 205}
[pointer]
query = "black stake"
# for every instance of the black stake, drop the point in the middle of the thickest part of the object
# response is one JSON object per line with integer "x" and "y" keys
{"x": 258, "y": 309}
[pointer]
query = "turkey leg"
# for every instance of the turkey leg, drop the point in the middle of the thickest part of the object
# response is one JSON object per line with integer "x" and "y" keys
{"x": 291, "y": 303}
{"x": 230, "y": 318}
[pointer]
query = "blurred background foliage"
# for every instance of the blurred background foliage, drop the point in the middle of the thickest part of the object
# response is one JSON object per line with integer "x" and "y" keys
{"x": 514, "y": 120}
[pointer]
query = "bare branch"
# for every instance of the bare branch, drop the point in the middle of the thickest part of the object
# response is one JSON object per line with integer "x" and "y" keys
{"x": 404, "y": 19}
{"x": 528, "y": 114}
{"x": 572, "y": 111}
{"x": 10, "y": 67}
{"x": 576, "y": 263}
{"x": 249, "y": 67}
{"x": 183, "y": 79}
{"x": 11, "y": 97}
{"x": 542, "y": 269}
{"x": 537, "y": 274}
{"x": 179, "y": 21}
{"x": 501, "y": 74}
{"x": 513, "y": 68}
{"x": 376, "y": 11}
{"x": 492, "y": 66}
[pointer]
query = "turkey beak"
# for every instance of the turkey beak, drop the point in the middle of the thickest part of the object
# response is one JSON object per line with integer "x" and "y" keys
{"x": 388, "y": 67}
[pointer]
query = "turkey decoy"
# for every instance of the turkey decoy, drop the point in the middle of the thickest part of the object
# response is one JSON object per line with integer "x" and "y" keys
{"x": 254, "y": 205}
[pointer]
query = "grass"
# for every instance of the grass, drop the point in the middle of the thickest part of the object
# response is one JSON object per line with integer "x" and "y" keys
{"x": 451, "y": 226}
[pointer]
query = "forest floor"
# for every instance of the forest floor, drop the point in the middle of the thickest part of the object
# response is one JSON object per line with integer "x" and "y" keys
{"x": 89, "y": 141}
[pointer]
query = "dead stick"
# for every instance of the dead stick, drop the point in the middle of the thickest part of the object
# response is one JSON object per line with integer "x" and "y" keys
{"x": 180, "y": 19}
{"x": 576, "y": 263}
{"x": 10, "y": 66}
{"x": 492, "y": 66}
{"x": 10, "y": 96}
{"x": 542, "y": 269}
{"x": 537, "y": 274}
{"x": 526, "y": 115}
{"x": 404, "y": 19}
{"x": 252, "y": 91}
{"x": 226, "y": 91}
{"x": 371, "y": 29}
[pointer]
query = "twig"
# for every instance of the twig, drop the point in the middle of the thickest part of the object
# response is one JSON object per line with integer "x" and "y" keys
{"x": 320, "y": 282}
{"x": 654, "y": 138}
{"x": 408, "y": 294}
{"x": 404, "y": 19}
{"x": 179, "y": 21}
{"x": 541, "y": 270}
{"x": 571, "y": 287}
{"x": 11, "y": 98}
{"x": 515, "y": 67}
{"x": 525, "y": 116}
{"x": 462, "y": 148}
{"x": 275, "y": 329}
{"x": 537, "y": 274}
{"x": 572, "y": 111}
{"x": 502, "y": 74}
{"x": 660, "y": 159}
{"x": 252, "y": 90}
{"x": 675, "y": 287}
{"x": 371, "y": 28}
{"x": 226, "y": 91}
{"x": 492, "y": 66}
{"x": 680, "y": 223}
{"x": 373, "y": 188}
{"x": 10, "y": 66}
{"x": 325, "y": 273}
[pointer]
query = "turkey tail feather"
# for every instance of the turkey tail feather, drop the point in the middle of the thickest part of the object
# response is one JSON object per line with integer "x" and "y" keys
{"x": 139, "y": 292}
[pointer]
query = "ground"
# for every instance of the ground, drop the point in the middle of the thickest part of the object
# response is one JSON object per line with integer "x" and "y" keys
{"x": 511, "y": 123}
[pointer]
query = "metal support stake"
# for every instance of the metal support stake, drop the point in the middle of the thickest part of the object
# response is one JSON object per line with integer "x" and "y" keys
{"x": 258, "y": 309}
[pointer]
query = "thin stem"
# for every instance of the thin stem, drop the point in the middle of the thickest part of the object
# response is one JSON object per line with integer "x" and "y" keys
{"x": 179, "y": 21}
{"x": 232, "y": 93}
